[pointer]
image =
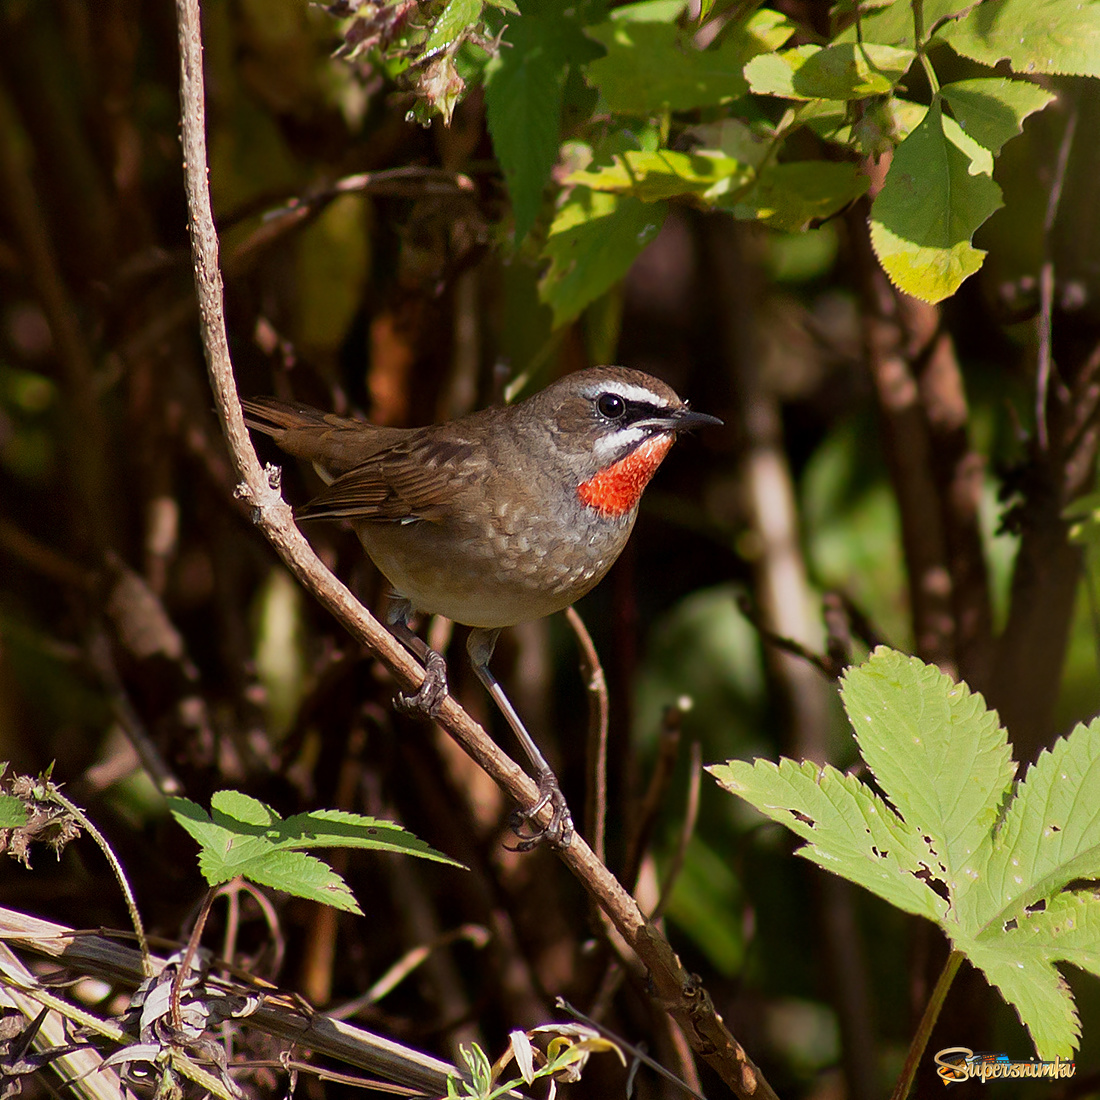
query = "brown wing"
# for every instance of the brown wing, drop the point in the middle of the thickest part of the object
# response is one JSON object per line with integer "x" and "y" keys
{"x": 415, "y": 479}
{"x": 384, "y": 474}
{"x": 334, "y": 443}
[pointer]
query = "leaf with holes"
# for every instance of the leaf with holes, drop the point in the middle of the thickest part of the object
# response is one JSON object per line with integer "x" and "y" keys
{"x": 1009, "y": 875}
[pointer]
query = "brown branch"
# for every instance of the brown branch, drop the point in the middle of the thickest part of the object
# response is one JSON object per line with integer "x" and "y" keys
{"x": 681, "y": 993}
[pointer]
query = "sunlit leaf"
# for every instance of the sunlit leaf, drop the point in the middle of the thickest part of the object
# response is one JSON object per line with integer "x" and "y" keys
{"x": 593, "y": 241}
{"x": 652, "y": 67}
{"x": 790, "y": 196}
{"x": 1005, "y": 871}
{"x": 992, "y": 110}
{"x": 927, "y": 212}
{"x": 1034, "y": 36}
{"x": 660, "y": 175}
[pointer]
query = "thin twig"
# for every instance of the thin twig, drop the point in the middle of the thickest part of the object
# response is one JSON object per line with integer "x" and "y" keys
{"x": 1045, "y": 356}
{"x": 687, "y": 831}
{"x": 668, "y": 748}
{"x": 827, "y": 664}
{"x": 599, "y": 714}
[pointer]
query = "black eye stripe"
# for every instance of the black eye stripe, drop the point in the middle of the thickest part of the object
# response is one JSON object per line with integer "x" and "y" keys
{"x": 614, "y": 406}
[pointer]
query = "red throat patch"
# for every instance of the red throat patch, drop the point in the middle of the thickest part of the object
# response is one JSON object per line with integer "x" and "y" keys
{"x": 616, "y": 490}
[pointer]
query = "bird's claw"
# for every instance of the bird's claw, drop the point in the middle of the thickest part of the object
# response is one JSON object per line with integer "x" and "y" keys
{"x": 558, "y": 833}
{"x": 428, "y": 698}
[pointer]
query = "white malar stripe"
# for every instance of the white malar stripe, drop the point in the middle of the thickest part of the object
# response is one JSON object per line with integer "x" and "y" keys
{"x": 608, "y": 447}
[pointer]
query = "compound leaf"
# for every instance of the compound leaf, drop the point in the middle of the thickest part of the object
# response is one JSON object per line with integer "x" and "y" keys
{"x": 1008, "y": 875}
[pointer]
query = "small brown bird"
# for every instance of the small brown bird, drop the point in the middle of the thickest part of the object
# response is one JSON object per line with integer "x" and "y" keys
{"x": 496, "y": 518}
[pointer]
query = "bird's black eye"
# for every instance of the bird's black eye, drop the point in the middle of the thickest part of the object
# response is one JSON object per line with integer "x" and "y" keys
{"x": 611, "y": 406}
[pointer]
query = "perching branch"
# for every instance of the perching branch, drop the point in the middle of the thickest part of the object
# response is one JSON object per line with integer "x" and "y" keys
{"x": 677, "y": 990}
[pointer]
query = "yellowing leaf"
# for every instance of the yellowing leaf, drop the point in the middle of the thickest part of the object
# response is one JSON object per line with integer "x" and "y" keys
{"x": 927, "y": 212}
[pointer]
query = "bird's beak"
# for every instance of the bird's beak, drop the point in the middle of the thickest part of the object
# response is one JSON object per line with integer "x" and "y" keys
{"x": 686, "y": 418}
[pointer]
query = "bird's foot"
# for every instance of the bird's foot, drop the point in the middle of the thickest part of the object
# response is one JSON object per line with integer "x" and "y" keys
{"x": 428, "y": 698}
{"x": 558, "y": 833}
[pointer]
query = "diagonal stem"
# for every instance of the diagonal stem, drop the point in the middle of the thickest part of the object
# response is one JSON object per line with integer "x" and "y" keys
{"x": 927, "y": 1023}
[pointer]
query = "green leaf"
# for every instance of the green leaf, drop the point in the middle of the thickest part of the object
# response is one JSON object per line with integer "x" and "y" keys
{"x": 893, "y": 23}
{"x": 927, "y": 212}
{"x": 594, "y": 239}
{"x": 13, "y": 814}
{"x": 773, "y": 73}
{"x": 849, "y": 830}
{"x": 1034, "y": 36}
{"x": 524, "y": 90}
{"x": 1050, "y": 835}
{"x": 790, "y": 196}
{"x": 1008, "y": 875}
{"x": 653, "y": 67}
{"x": 992, "y": 110}
{"x": 243, "y": 836}
{"x": 850, "y": 71}
{"x": 454, "y": 21}
{"x": 911, "y": 719}
{"x": 661, "y": 175}
{"x": 649, "y": 11}
{"x": 296, "y": 873}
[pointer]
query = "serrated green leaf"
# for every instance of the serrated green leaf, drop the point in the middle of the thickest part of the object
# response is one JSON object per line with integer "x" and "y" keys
{"x": 341, "y": 829}
{"x": 911, "y": 719}
{"x": 653, "y": 67}
{"x": 992, "y": 110}
{"x": 243, "y": 836}
{"x": 301, "y": 875}
{"x": 1049, "y": 838}
{"x": 661, "y": 175}
{"x": 929, "y": 208}
{"x": 1034, "y": 36}
{"x": 243, "y": 808}
{"x": 594, "y": 239}
{"x": 524, "y": 90}
{"x": 850, "y": 830}
{"x": 850, "y": 71}
{"x": 1015, "y": 904}
{"x": 455, "y": 19}
{"x": 790, "y": 196}
{"x": 1038, "y": 993}
{"x": 13, "y": 814}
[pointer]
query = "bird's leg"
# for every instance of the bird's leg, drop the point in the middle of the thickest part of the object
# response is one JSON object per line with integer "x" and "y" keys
{"x": 559, "y": 832}
{"x": 433, "y": 688}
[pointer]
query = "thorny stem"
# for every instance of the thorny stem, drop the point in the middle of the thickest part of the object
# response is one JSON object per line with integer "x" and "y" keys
{"x": 927, "y": 1023}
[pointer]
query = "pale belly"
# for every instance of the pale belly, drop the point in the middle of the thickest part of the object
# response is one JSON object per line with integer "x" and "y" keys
{"x": 492, "y": 582}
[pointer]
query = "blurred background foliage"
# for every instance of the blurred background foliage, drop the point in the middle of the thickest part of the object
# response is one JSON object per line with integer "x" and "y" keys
{"x": 138, "y": 606}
